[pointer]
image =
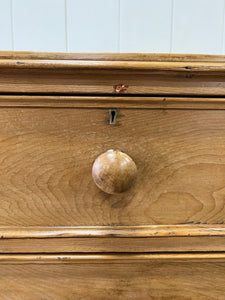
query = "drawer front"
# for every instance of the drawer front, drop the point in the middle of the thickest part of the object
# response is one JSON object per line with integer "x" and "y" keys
{"x": 46, "y": 158}
{"x": 102, "y": 277}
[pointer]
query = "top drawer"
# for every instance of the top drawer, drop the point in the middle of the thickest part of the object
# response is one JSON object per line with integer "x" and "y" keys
{"x": 48, "y": 146}
{"x": 56, "y": 122}
{"x": 112, "y": 74}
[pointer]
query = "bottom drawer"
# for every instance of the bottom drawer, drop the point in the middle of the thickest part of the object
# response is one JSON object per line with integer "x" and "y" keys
{"x": 113, "y": 276}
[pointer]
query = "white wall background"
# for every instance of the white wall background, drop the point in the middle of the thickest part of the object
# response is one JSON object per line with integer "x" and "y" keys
{"x": 176, "y": 26}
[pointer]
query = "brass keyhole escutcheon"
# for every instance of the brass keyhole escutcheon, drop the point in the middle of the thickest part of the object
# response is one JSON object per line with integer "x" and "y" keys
{"x": 113, "y": 116}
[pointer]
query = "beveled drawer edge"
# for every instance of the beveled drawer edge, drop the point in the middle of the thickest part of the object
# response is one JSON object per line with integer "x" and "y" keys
{"x": 110, "y": 258}
{"x": 134, "y": 102}
{"x": 112, "y": 231}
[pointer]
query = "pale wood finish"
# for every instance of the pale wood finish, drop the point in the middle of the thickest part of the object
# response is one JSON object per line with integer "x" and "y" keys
{"x": 102, "y": 82}
{"x": 113, "y": 244}
{"x": 112, "y": 56}
{"x": 114, "y": 171}
{"x": 156, "y": 238}
{"x": 110, "y": 101}
{"x": 63, "y": 238}
{"x": 130, "y": 231}
{"x": 125, "y": 66}
{"x": 110, "y": 258}
{"x": 113, "y": 277}
{"x": 157, "y": 74}
{"x": 47, "y": 155}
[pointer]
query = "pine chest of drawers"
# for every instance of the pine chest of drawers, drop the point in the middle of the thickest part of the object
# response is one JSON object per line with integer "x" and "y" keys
{"x": 112, "y": 176}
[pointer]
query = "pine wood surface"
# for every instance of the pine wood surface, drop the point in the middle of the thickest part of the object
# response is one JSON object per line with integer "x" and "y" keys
{"x": 104, "y": 239}
{"x": 133, "y": 102}
{"x": 142, "y": 74}
{"x": 112, "y": 277}
{"x": 113, "y": 245}
{"x": 164, "y": 57}
{"x": 64, "y": 81}
{"x": 113, "y": 171}
{"x": 63, "y": 238}
{"x": 146, "y": 231}
{"x": 47, "y": 155}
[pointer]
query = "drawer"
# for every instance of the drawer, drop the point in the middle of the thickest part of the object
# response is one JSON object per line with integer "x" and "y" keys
{"x": 48, "y": 146}
{"x": 112, "y": 277}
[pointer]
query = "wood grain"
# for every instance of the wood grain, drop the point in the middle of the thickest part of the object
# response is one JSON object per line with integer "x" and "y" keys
{"x": 129, "y": 231}
{"x": 93, "y": 74}
{"x": 102, "y": 82}
{"x": 125, "y": 66}
{"x": 46, "y": 156}
{"x": 111, "y": 258}
{"x": 155, "y": 238}
{"x": 113, "y": 245}
{"x": 177, "y": 238}
{"x": 133, "y": 102}
{"x": 112, "y": 56}
{"x": 113, "y": 277}
{"x": 114, "y": 171}
{"x": 63, "y": 238}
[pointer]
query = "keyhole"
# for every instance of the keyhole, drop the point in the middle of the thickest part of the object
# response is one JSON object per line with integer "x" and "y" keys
{"x": 112, "y": 116}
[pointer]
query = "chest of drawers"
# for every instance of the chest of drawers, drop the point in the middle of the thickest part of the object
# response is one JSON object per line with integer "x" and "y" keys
{"x": 112, "y": 176}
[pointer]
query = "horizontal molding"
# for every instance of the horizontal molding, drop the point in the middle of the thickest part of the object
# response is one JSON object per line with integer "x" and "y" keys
{"x": 110, "y": 258}
{"x": 145, "y": 66}
{"x": 113, "y": 244}
{"x": 112, "y": 102}
{"x": 112, "y": 56}
{"x": 114, "y": 239}
{"x": 112, "y": 74}
{"x": 153, "y": 231}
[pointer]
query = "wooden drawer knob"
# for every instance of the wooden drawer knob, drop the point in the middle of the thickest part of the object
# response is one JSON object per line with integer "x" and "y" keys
{"x": 114, "y": 171}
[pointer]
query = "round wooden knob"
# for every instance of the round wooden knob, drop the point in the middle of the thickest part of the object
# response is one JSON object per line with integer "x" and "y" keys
{"x": 114, "y": 171}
